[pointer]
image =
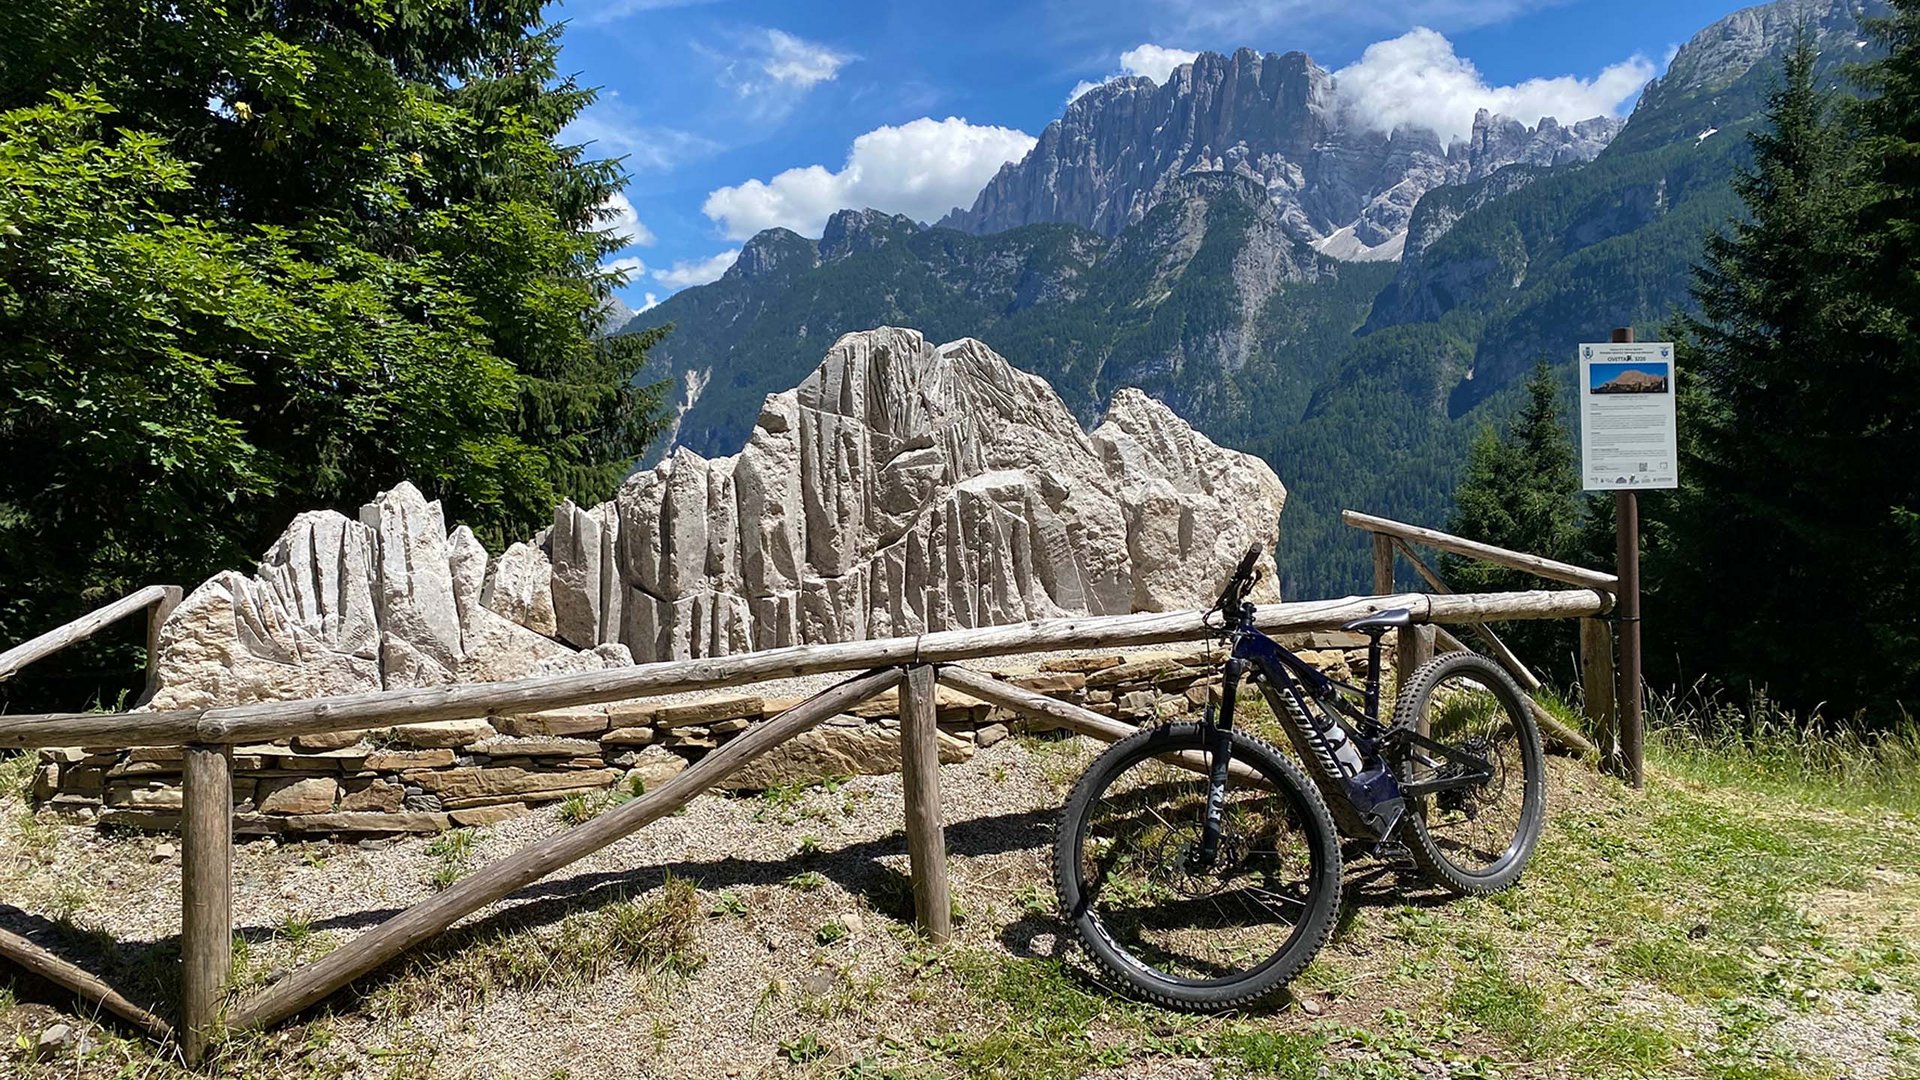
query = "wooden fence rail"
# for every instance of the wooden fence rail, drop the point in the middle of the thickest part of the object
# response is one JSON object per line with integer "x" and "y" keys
{"x": 1550, "y": 569}
{"x": 266, "y": 721}
{"x": 1391, "y": 538}
{"x": 158, "y": 600}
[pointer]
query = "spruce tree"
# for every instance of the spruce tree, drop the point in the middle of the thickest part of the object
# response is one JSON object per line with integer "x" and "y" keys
{"x": 1520, "y": 491}
{"x": 1878, "y": 436}
{"x": 1765, "y": 569}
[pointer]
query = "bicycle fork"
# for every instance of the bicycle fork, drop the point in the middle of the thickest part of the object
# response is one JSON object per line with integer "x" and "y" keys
{"x": 1220, "y": 751}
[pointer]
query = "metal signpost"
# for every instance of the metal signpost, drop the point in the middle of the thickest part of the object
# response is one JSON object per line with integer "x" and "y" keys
{"x": 1628, "y": 441}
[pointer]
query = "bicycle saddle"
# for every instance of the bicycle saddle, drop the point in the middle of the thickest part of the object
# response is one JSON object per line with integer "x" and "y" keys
{"x": 1381, "y": 622}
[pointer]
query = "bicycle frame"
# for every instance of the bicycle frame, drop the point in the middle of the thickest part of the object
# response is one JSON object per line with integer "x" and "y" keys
{"x": 1347, "y": 751}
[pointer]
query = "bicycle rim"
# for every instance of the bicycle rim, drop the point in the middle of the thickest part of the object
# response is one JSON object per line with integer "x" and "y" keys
{"x": 1178, "y": 923}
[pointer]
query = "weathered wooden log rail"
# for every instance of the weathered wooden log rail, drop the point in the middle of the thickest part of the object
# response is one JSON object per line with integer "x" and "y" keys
{"x": 914, "y": 665}
{"x": 1391, "y": 538}
{"x": 158, "y": 601}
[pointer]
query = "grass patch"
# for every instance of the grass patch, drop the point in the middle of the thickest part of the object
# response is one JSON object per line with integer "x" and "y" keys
{"x": 452, "y": 852}
{"x": 788, "y": 803}
{"x": 656, "y": 934}
{"x": 1711, "y": 738}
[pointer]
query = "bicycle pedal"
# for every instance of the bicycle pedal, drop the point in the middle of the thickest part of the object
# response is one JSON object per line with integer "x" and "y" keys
{"x": 1396, "y": 856}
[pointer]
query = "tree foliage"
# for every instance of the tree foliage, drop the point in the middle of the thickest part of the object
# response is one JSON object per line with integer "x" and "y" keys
{"x": 1521, "y": 491}
{"x": 257, "y": 258}
{"x": 1788, "y": 558}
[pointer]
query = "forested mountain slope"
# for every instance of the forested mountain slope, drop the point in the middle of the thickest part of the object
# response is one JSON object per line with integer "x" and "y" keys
{"x": 1361, "y": 383}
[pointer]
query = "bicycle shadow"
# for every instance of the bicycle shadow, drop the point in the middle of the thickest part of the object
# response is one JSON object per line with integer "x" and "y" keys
{"x": 1372, "y": 884}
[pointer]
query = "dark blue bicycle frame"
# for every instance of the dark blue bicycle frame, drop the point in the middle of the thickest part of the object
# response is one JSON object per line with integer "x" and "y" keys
{"x": 1366, "y": 803}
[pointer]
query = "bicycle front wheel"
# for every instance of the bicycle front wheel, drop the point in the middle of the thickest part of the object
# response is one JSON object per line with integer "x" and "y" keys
{"x": 1202, "y": 938}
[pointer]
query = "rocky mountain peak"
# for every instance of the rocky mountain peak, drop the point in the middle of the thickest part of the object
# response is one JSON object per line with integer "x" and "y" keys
{"x": 1721, "y": 54}
{"x": 849, "y": 232}
{"x": 771, "y": 250}
{"x": 1275, "y": 117}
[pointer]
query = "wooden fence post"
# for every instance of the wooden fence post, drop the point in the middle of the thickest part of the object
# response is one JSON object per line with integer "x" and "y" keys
{"x": 206, "y": 893}
{"x": 1597, "y": 686}
{"x": 1382, "y": 564}
{"x": 1627, "y": 698}
{"x": 1407, "y": 645}
{"x": 1415, "y": 648}
{"x": 920, "y": 777}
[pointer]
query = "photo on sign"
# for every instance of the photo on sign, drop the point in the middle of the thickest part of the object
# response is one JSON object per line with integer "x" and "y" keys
{"x": 1637, "y": 377}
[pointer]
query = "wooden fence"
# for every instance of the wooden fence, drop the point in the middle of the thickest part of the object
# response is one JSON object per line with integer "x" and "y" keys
{"x": 912, "y": 665}
{"x": 1598, "y": 676}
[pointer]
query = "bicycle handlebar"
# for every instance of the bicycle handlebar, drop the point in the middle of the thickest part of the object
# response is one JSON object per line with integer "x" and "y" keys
{"x": 1238, "y": 586}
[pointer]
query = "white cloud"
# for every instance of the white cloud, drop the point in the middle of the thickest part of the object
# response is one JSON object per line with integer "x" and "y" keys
{"x": 689, "y": 272}
{"x": 602, "y": 12}
{"x": 629, "y": 265}
{"x": 652, "y": 301}
{"x": 797, "y": 62}
{"x": 921, "y": 169}
{"x": 772, "y": 71}
{"x": 1417, "y": 79}
{"x": 1156, "y": 62}
{"x": 608, "y": 128}
{"x": 617, "y": 216}
{"x": 1080, "y": 89}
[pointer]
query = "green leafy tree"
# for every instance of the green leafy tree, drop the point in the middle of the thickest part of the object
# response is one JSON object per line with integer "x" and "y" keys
{"x": 257, "y": 258}
{"x": 1521, "y": 491}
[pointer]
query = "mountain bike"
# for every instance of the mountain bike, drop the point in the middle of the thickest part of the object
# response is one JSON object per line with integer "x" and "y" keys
{"x": 1202, "y": 866}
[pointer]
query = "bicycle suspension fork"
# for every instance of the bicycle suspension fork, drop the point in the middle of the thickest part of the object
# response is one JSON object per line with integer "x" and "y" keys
{"x": 1220, "y": 754}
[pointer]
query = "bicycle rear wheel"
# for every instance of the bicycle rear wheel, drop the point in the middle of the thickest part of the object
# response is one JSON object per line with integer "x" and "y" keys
{"x": 1208, "y": 939}
{"x": 1474, "y": 839}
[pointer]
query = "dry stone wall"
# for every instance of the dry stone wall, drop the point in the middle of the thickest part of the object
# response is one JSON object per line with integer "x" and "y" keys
{"x": 431, "y": 777}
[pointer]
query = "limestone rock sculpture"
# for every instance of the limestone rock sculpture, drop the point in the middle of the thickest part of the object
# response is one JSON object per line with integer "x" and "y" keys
{"x": 901, "y": 488}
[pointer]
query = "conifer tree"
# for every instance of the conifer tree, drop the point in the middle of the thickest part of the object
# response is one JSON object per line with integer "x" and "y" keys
{"x": 1768, "y": 568}
{"x": 1877, "y": 438}
{"x": 1520, "y": 491}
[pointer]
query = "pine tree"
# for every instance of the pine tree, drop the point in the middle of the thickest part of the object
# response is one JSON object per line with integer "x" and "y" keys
{"x": 1881, "y": 437}
{"x": 1520, "y": 491}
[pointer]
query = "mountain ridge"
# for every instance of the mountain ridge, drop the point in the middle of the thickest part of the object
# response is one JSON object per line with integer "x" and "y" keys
{"x": 1275, "y": 117}
{"x": 1361, "y": 383}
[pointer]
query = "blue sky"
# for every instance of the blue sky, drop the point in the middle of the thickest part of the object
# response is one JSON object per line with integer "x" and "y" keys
{"x": 738, "y": 114}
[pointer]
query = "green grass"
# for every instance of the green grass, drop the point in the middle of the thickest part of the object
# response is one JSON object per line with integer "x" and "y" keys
{"x": 656, "y": 934}
{"x": 1754, "y": 745}
{"x": 452, "y": 852}
{"x": 1663, "y": 933}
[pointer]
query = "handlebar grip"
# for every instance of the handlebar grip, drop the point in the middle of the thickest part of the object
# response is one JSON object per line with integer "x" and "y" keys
{"x": 1245, "y": 570}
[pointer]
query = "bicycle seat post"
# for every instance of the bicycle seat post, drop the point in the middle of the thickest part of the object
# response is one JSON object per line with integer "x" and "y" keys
{"x": 1373, "y": 670}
